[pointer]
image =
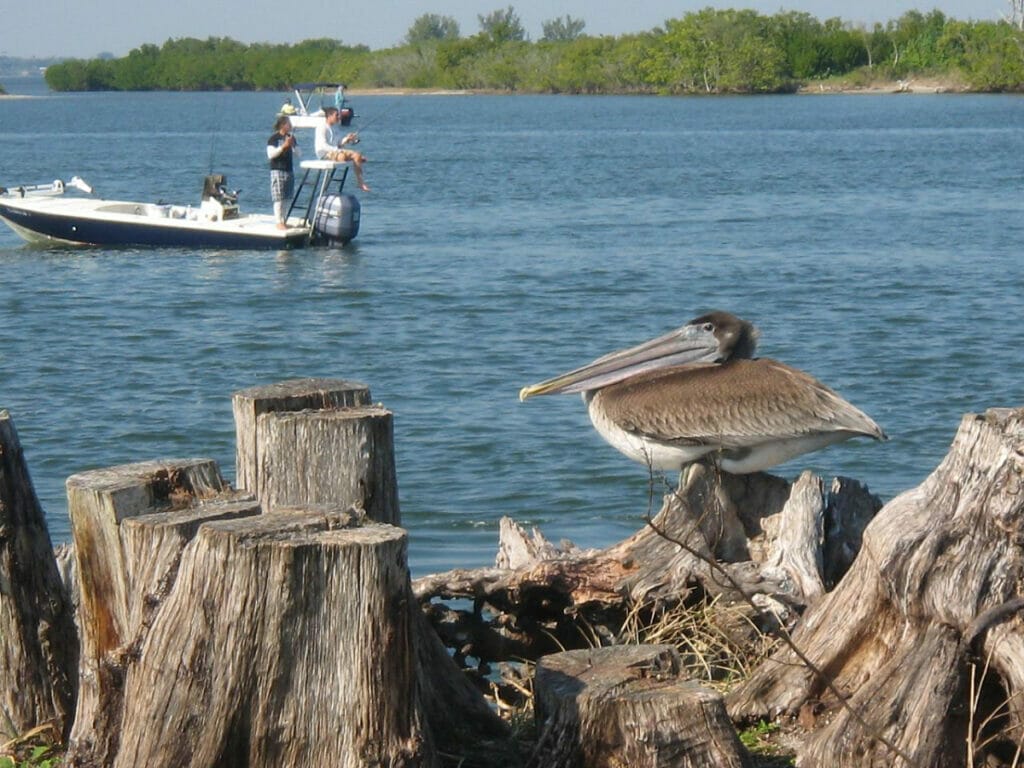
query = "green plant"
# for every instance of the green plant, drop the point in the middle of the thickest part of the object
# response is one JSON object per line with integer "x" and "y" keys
{"x": 38, "y": 748}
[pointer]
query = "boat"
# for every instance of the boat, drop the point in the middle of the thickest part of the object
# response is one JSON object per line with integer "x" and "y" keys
{"x": 320, "y": 213}
{"x": 310, "y": 100}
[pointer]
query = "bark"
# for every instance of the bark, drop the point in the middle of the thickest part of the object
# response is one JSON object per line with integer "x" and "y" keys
{"x": 293, "y": 395}
{"x": 38, "y": 640}
{"x": 935, "y": 590}
{"x": 343, "y": 456}
{"x": 295, "y": 629}
{"x": 627, "y": 705}
{"x": 770, "y": 536}
{"x": 120, "y": 575}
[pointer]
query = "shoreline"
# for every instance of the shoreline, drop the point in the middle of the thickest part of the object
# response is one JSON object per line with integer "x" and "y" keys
{"x": 895, "y": 87}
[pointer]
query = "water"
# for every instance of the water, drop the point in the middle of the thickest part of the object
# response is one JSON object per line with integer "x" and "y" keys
{"x": 874, "y": 240}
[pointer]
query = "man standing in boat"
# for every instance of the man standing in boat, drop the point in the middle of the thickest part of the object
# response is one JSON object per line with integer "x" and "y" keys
{"x": 329, "y": 148}
{"x": 281, "y": 147}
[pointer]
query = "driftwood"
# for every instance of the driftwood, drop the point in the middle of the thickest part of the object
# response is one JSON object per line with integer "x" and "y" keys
{"x": 628, "y": 705}
{"x": 935, "y": 591}
{"x": 39, "y": 654}
{"x": 771, "y": 539}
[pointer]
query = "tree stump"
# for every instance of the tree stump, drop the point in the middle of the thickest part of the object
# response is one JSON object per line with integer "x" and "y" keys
{"x": 627, "y": 706}
{"x": 129, "y": 525}
{"x": 292, "y": 395}
{"x": 344, "y": 456}
{"x": 935, "y": 591}
{"x": 39, "y": 642}
{"x": 317, "y": 442}
{"x": 293, "y": 631}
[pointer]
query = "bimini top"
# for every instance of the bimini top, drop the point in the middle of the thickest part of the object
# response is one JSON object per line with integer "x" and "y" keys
{"x": 311, "y": 86}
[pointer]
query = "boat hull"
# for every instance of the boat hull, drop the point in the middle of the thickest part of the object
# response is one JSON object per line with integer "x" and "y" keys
{"x": 139, "y": 224}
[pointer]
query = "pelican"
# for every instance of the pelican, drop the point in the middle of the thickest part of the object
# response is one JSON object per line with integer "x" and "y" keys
{"x": 698, "y": 393}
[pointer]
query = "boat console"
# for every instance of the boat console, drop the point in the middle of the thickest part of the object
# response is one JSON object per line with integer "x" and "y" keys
{"x": 218, "y": 203}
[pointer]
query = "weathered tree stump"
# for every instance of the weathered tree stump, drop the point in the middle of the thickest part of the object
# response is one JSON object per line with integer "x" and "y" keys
{"x": 293, "y": 630}
{"x": 336, "y": 454}
{"x": 627, "y": 706}
{"x": 935, "y": 590}
{"x": 129, "y": 525}
{"x": 292, "y": 395}
{"x": 39, "y": 643}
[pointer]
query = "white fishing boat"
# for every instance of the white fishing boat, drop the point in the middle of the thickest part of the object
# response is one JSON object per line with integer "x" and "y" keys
{"x": 321, "y": 213}
{"x": 310, "y": 100}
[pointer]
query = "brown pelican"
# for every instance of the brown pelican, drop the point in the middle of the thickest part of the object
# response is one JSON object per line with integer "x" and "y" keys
{"x": 698, "y": 392}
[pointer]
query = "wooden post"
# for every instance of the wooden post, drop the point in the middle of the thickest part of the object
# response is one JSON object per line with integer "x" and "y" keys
{"x": 292, "y": 395}
{"x": 39, "y": 642}
{"x": 627, "y": 705}
{"x": 123, "y": 568}
{"x": 286, "y": 640}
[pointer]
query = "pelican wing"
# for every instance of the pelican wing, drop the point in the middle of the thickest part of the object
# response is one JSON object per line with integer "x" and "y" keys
{"x": 735, "y": 405}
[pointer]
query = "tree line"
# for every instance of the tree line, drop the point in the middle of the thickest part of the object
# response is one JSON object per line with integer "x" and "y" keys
{"x": 707, "y": 51}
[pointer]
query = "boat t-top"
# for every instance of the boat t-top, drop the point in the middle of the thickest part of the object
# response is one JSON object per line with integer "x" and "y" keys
{"x": 310, "y": 100}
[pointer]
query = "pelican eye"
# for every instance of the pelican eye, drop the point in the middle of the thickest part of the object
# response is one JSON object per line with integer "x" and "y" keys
{"x": 709, "y": 326}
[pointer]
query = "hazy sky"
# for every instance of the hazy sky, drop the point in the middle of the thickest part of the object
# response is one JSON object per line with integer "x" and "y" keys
{"x": 46, "y": 28}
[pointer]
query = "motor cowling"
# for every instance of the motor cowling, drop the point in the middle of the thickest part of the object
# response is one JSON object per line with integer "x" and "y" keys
{"x": 337, "y": 219}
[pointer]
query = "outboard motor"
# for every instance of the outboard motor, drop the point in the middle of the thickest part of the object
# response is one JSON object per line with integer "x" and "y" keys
{"x": 336, "y": 221}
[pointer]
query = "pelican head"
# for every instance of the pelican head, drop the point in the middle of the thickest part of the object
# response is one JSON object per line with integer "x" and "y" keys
{"x": 712, "y": 338}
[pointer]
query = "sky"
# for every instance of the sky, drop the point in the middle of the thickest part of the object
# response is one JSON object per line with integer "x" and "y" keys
{"x": 47, "y": 28}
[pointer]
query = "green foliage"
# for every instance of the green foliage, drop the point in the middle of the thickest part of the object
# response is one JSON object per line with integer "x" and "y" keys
{"x": 431, "y": 27}
{"x": 189, "y": 64}
{"x": 502, "y": 26}
{"x": 561, "y": 30}
{"x": 708, "y": 51}
{"x": 32, "y": 756}
{"x": 994, "y": 58}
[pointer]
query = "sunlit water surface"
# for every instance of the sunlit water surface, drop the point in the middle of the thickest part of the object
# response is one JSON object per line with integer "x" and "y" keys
{"x": 875, "y": 240}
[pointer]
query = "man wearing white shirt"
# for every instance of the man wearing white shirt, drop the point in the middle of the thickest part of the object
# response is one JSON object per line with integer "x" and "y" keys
{"x": 329, "y": 148}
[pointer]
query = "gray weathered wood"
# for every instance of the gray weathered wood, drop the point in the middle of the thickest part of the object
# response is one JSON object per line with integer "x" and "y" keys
{"x": 343, "y": 456}
{"x": 122, "y": 567}
{"x": 292, "y": 395}
{"x": 734, "y": 520}
{"x": 39, "y": 654}
{"x": 286, "y": 640}
{"x": 627, "y": 706}
{"x": 797, "y": 536}
{"x": 935, "y": 588}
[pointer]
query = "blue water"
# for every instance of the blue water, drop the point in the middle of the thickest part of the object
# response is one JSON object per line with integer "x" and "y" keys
{"x": 874, "y": 240}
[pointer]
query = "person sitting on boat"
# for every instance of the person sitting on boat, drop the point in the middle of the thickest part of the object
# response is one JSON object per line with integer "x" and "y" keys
{"x": 281, "y": 147}
{"x": 330, "y": 148}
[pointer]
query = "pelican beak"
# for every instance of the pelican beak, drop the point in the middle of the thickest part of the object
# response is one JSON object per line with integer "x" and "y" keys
{"x": 689, "y": 344}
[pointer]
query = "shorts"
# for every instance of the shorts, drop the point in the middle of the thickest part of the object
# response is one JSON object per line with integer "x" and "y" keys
{"x": 282, "y": 186}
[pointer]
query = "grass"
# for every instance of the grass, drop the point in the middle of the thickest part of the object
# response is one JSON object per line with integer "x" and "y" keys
{"x": 38, "y": 748}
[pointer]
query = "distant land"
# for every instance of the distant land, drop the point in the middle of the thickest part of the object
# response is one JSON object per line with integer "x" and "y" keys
{"x": 11, "y": 66}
